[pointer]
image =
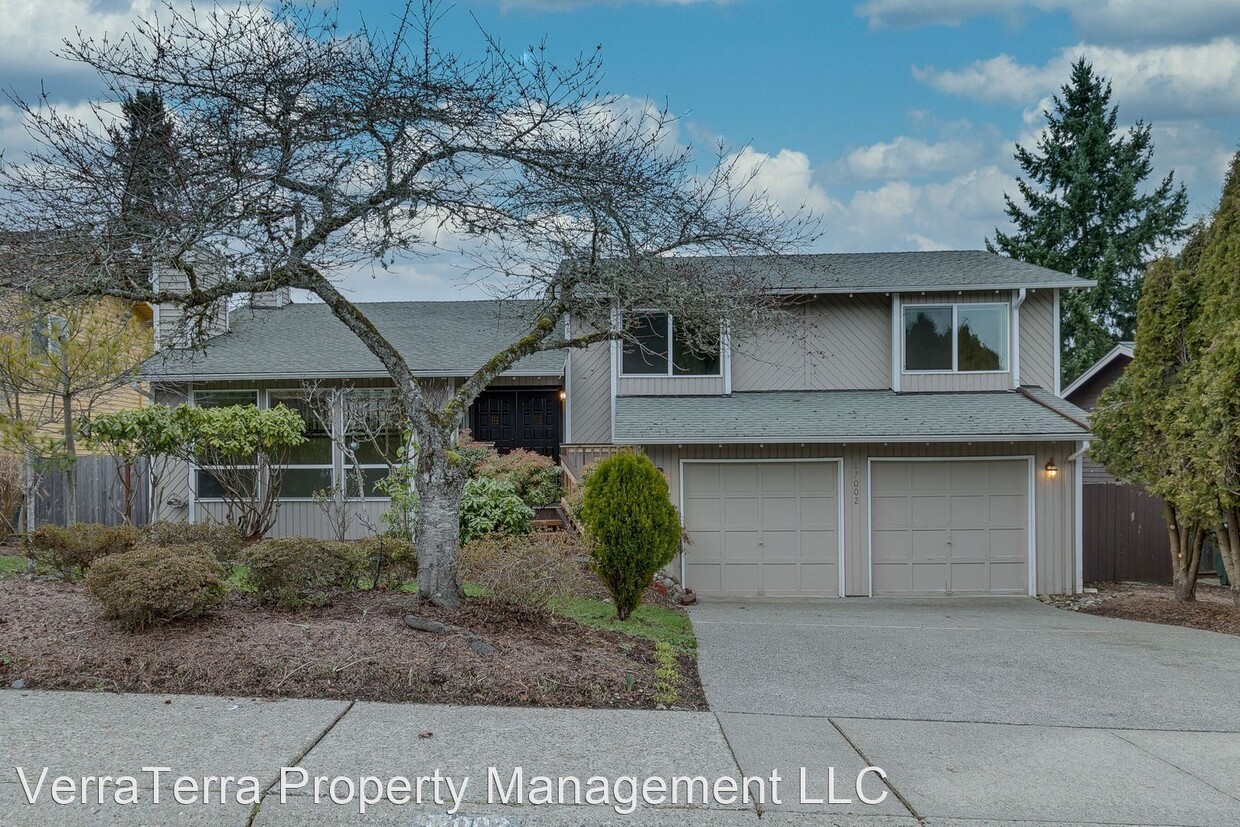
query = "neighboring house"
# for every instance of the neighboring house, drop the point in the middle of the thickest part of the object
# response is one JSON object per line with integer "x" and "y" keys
{"x": 1124, "y": 532}
{"x": 901, "y": 433}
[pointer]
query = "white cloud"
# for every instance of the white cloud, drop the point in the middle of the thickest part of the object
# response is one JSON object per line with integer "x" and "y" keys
{"x": 787, "y": 177}
{"x": 910, "y": 157}
{"x": 1099, "y": 21}
{"x": 1178, "y": 81}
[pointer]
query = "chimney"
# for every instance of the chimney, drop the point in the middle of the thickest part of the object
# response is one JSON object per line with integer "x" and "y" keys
{"x": 271, "y": 299}
{"x": 172, "y": 328}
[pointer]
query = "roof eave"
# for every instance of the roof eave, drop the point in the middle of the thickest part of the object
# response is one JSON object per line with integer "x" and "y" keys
{"x": 803, "y": 439}
{"x": 933, "y": 288}
{"x": 1121, "y": 349}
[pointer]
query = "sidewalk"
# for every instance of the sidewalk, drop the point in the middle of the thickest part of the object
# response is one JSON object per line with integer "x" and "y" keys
{"x": 1043, "y": 773}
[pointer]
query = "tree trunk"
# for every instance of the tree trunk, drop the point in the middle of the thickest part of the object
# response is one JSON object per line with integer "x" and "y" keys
{"x": 1186, "y": 540}
{"x": 66, "y": 400}
{"x": 439, "y": 481}
{"x": 1227, "y": 535}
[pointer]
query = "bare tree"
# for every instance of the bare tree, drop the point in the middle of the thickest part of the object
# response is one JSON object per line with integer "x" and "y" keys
{"x": 301, "y": 151}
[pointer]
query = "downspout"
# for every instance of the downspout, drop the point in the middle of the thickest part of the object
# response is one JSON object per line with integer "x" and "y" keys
{"x": 1078, "y": 514}
{"x": 1016, "y": 305}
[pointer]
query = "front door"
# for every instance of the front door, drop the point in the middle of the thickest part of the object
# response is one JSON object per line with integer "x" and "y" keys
{"x": 528, "y": 419}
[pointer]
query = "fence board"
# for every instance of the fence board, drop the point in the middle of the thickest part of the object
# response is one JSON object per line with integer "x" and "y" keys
{"x": 100, "y": 493}
{"x": 1125, "y": 535}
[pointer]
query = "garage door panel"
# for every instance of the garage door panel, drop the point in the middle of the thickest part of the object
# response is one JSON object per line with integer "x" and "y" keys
{"x": 929, "y": 511}
{"x": 740, "y": 545}
{"x": 773, "y": 525}
{"x": 955, "y": 526}
{"x": 737, "y": 478}
{"x": 891, "y": 512}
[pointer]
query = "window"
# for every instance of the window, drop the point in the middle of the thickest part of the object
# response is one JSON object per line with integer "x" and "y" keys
{"x": 50, "y": 334}
{"x": 647, "y": 352}
{"x": 372, "y": 417}
{"x": 961, "y": 338}
{"x": 309, "y": 466}
{"x": 206, "y": 486}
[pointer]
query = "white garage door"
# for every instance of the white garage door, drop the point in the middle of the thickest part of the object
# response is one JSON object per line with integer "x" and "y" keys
{"x": 762, "y": 527}
{"x": 950, "y": 527}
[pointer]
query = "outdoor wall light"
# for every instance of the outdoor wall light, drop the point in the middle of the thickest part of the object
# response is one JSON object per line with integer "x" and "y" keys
{"x": 1052, "y": 470}
{"x": 563, "y": 394}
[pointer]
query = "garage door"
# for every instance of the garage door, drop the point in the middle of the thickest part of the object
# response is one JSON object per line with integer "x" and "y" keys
{"x": 762, "y": 527}
{"x": 950, "y": 527}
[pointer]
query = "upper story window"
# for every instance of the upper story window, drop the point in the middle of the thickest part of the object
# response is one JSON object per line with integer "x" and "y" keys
{"x": 956, "y": 338}
{"x": 657, "y": 348}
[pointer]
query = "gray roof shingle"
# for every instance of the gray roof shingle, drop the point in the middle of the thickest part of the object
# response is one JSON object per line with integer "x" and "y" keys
{"x": 892, "y": 272}
{"x": 844, "y": 416}
{"x": 307, "y": 341}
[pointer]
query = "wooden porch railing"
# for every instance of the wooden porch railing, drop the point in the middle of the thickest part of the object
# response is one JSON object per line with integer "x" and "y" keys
{"x": 574, "y": 459}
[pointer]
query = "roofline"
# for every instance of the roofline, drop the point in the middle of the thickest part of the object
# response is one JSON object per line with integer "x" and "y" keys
{"x": 936, "y": 288}
{"x": 1121, "y": 349}
{"x": 866, "y": 440}
{"x": 264, "y": 377}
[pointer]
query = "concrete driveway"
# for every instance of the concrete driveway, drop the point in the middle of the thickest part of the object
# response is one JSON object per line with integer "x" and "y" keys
{"x": 1002, "y": 710}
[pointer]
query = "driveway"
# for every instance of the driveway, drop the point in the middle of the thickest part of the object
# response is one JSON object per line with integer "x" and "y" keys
{"x": 998, "y": 709}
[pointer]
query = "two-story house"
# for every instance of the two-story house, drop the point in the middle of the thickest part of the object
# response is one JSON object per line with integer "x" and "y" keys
{"x": 900, "y": 433}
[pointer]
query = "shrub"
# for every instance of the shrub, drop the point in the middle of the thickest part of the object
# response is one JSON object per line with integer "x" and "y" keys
{"x": 489, "y": 505}
{"x": 157, "y": 583}
{"x": 291, "y": 571}
{"x": 400, "y": 558}
{"x": 223, "y": 539}
{"x": 526, "y": 572}
{"x": 535, "y": 478}
{"x": 12, "y": 487}
{"x": 573, "y": 499}
{"x": 632, "y": 526}
{"x": 74, "y": 549}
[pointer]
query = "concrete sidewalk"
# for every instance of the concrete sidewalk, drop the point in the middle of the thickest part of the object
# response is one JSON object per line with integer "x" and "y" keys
{"x": 940, "y": 773}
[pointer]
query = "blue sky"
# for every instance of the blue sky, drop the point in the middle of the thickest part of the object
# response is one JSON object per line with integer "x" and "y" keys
{"x": 894, "y": 119}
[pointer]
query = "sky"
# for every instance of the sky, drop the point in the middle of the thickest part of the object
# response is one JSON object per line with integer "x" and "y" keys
{"x": 894, "y": 120}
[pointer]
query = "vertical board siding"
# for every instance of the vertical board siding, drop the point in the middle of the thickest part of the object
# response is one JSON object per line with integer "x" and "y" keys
{"x": 1125, "y": 535}
{"x": 669, "y": 386}
{"x": 1037, "y": 339}
{"x": 1053, "y": 523}
{"x": 589, "y": 388}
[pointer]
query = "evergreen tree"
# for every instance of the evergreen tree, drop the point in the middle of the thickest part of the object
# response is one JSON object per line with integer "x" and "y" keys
{"x": 1087, "y": 214}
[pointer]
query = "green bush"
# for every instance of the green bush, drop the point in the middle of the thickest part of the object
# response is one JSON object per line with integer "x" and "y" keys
{"x": 73, "y": 549}
{"x": 291, "y": 571}
{"x": 535, "y": 478}
{"x": 400, "y": 558}
{"x": 223, "y": 539}
{"x": 631, "y": 524}
{"x": 526, "y": 572}
{"x": 489, "y": 505}
{"x": 157, "y": 583}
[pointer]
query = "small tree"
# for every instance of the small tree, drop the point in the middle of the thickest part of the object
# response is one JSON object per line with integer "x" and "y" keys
{"x": 631, "y": 524}
{"x": 1085, "y": 213}
{"x": 152, "y": 433}
{"x": 1140, "y": 420}
{"x": 245, "y": 450}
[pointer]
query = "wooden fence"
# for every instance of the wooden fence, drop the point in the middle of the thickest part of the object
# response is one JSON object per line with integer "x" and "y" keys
{"x": 100, "y": 493}
{"x": 1125, "y": 535}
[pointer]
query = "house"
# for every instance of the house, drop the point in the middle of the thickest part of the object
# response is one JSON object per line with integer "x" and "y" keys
{"x": 1085, "y": 390}
{"x": 901, "y": 433}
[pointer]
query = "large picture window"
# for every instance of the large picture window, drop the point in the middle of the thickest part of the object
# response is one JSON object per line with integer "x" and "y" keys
{"x": 956, "y": 338}
{"x": 206, "y": 484}
{"x": 309, "y": 466}
{"x": 658, "y": 348}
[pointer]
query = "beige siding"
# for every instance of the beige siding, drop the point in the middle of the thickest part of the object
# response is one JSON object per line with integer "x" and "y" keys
{"x": 589, "y": 390}
{"x": 669, "y": 386}
{"x": 1037, "y": 339}
{"x": 826, "y": 343}
{"x": 305, "y": 519}
{"x": 1053, "y": 522}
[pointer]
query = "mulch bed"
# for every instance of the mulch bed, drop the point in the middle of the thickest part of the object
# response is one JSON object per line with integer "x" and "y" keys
{"x": 53, "y": 637}
{"x": 1213, "y": 609}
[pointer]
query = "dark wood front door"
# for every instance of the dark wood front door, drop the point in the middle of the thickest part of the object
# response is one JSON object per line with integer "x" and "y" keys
{"x": 529, "y": 419}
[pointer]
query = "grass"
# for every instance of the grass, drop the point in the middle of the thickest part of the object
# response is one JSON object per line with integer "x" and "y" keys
{"x": 657, "y": 623}
{"x": 11, "y": 564}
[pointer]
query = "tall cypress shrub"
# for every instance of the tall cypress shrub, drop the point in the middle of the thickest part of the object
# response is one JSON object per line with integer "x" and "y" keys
{"x": 631, "y": 524}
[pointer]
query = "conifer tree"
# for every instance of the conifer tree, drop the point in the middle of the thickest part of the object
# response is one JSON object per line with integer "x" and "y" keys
{"x": 1087, "y": 212}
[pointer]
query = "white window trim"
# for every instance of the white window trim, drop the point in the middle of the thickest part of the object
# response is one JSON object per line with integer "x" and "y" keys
{"x": 955, "y": 371}
{"x": 671, "y": 351}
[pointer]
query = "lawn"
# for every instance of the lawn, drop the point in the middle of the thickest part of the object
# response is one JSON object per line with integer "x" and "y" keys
{"x": 650, "y": 620}
{"x": 11, "y": 564}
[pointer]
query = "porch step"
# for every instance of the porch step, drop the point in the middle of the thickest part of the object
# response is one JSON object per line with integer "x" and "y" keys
{"x": 552, "y": 524}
